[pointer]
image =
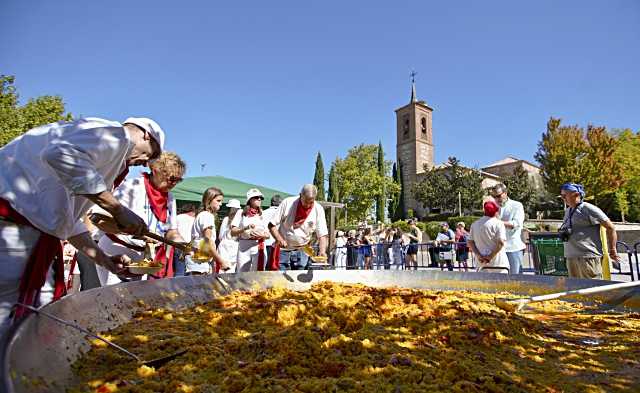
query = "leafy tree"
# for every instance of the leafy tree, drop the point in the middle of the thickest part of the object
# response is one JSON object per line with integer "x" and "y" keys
{"x": 360, "y": 182}
{"x": 627, "y": 198}
{"x": 381, "y": 171}
{"x": 15, "y": 120}
{"x": 318, "y": 177}
{"x": 521, "y": 189}
{"x": 399, "y": 213}
{"x": 572, "y": 154}
{"x": 440, "y": 187}
{"x": 394, "y": 200}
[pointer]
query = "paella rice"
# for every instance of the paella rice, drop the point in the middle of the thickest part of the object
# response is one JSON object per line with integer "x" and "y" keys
{"x": 354, "y": 338}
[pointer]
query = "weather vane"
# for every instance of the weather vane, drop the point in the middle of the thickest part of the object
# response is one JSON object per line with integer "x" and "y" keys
{"x": 413, "y": 76}
{"x": 202, "y": 167}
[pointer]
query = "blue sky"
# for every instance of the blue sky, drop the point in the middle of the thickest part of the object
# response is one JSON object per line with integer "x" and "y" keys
{"x": 256, "y": 89}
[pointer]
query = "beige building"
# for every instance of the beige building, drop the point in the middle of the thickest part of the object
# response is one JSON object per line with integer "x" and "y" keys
{"x": 415, "y": 152}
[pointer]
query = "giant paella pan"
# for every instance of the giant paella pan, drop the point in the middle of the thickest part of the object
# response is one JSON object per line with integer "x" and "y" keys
{"x": 328, "y": 331}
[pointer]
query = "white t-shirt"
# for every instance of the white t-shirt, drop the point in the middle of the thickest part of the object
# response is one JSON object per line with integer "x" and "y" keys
{"x": 485, "y": 233}
{"x": 203, "y": 221}
{"x": 185, "y": 224}
{"x": 241, "y": 221}
{"x": 267, "y": 216}
{"x": 296, "y": 236}
{"x": 45, "y": 171}
{"x": 133, "y": 195}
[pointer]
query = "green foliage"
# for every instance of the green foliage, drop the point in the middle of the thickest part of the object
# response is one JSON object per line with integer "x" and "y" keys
{"x": 15, "y": 120}
{"x": 627, "y": 197}
{"x": 572, "y": 154}
{"x": 520, "y": 188}
{"x": 360, "y": 182}
{"x": 318, "y": 177}
{"x": 399, "y": 211}
{"x": 439, "y": 187}
{"x": 381, "y": 198}
{"x": 334, "y": 191}
{"x": 394, "y": 200}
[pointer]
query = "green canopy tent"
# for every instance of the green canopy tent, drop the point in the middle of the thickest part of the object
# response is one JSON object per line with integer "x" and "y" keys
{"x": 190, "y": 190}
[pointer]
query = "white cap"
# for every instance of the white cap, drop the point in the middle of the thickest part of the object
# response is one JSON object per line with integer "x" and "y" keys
{"x": 233, "y": 203}
{"x": 149, "y": 126}
{"x": 252, "y": 193}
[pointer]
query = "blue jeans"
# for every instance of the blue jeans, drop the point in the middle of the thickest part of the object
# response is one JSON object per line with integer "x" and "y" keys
{"x": 293, "y": 260}
{"x": 515, "y": 261}
{"x": 178, "y": 265}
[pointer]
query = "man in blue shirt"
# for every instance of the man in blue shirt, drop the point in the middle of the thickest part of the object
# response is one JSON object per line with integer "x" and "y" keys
{"x": 512, "y": 214}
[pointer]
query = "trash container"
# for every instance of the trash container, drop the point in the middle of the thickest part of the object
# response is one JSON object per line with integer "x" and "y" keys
{"x": 551, "y": 260}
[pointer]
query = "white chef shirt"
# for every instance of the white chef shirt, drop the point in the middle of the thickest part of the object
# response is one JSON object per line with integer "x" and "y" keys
{"x": 295, "y": 237}
{"x": 133, "y": 195}
{"x": 45, "y": 170}
{"x": 485, "y": 233}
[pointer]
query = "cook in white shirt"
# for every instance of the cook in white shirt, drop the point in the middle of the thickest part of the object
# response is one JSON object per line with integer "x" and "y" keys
{"x": 52, "y": 174}
{"x": 512, "y": 215}
{"x": 291, "y": 234}
{"x": 166, "y": 173}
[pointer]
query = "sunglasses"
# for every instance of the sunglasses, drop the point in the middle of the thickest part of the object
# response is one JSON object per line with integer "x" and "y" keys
{"x": 174, "y": 179}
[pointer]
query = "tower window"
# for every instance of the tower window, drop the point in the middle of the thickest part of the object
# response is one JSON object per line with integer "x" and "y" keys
{"x": 405, "y": 125}
{"x": 423, "y": 125}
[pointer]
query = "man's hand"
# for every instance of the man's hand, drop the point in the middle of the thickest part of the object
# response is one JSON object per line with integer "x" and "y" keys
{"x": 282, "y": 243}
{"x": 116, "y": 265}
{"x": 224, "y": 265}
{"x": 615, "y": 259}
{"x": 129, "y": 221}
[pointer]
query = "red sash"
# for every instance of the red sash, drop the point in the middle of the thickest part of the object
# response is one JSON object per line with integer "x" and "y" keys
{"x": 250, "y": 213}
{"x": 47, "y": 250}
{"x": 159, "y": 202}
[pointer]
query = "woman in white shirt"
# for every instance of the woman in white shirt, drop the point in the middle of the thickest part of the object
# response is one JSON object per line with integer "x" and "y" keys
{"x": 203, "y": 234}
{"x": 148, "y": 196}
{"x": 249, "y": 227}
{"x": 228, "y": 245}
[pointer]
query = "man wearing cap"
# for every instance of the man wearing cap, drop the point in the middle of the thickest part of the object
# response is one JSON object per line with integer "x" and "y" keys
{"x": 580, "y": 231}
{"x": 296, "y": 220}
{"x": 51, "y": 175}
{"x": 512, "y": 214}
{"x": 487, "y": 239}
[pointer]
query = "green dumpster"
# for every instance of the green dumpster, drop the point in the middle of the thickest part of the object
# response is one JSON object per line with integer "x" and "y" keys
{"x": 551, "y": 257}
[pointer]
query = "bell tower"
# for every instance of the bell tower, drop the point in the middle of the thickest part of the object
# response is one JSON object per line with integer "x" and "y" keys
{"x": 414, "y": 143}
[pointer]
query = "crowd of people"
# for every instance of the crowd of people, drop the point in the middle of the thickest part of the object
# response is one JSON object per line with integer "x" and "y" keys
{"x": 56, "y": 175}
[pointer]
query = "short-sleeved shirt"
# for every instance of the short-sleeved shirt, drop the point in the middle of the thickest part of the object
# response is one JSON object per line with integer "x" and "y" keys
{"x": 242, "y": 221}
{"x": 449, "y": 235}
{"x": 203, "y": 221}
{"x": 585, "y": 237}
{"x": 296, "y": 236}
{"x": 485, "y": 234}
{"x": 513, "y": 213}
{"x": 46, "y": 171}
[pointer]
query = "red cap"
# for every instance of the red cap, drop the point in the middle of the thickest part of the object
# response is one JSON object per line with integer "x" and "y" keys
{"x": 490, "y": 208}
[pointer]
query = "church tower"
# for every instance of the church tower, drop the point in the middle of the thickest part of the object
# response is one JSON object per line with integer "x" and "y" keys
{"x": 414, "y": 143}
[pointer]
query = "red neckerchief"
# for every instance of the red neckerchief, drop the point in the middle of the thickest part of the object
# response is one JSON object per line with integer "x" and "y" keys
{"x": 47, "y": 250}
{"x": 256, "y": 212}
{"x": 159, "y": 202}
{"x": 301, "y": 214}
{"x": 157, "y": 199}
